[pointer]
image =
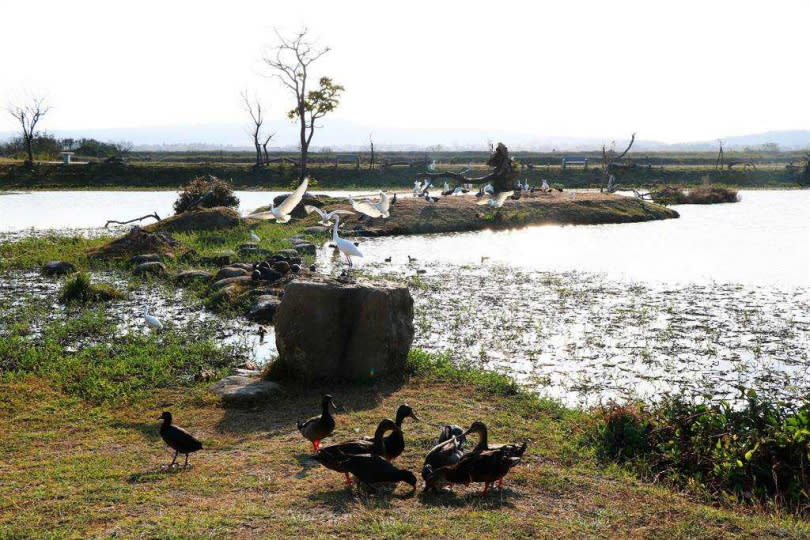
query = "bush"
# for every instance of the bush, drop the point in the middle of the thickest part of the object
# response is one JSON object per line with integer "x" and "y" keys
{"x": 755, "y": 452}
{"x": 711, "y": 195}
{"x": 79, "y": 289}
{"x": 205, "y": 192}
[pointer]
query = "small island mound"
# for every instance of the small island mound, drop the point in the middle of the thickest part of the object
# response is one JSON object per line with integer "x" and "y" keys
{"x": 414, "y": 215}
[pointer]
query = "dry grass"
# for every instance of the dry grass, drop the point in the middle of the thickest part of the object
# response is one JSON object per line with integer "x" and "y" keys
{"x": 70, "y": 469}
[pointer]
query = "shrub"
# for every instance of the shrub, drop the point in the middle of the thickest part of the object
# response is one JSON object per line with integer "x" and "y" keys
{"x": 758, "y": 451}
{"x": 711, "y": 195}
{"x": 205, "y": 192}
{"x": 79, "y": 289}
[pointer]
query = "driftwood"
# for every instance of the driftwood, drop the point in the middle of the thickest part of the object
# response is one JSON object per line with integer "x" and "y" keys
{"x": 610, "y": 160}
{"x": 502, "y": 178}
{"x": 152, "y": 215}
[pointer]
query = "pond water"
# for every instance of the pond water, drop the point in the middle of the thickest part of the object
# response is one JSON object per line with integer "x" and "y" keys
{"x": 712, "y": 302}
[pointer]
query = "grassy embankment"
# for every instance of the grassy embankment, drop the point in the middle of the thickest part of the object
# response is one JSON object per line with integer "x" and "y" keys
{"x": 170, "y": 171}
{"x": 81, "y": 453}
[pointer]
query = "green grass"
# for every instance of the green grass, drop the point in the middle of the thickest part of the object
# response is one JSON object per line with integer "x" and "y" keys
{"x": 78, "y": 288}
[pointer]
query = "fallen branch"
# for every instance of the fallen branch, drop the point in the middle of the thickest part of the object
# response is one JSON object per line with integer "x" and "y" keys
{"x": 152, "y": 215}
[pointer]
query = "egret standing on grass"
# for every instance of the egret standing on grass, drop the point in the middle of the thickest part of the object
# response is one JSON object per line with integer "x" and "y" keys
{"x": 344, "y": 246}
{"x": 281, "y": 213}
{"x": 254, "y": 236}
{"x": 151, "y": 321}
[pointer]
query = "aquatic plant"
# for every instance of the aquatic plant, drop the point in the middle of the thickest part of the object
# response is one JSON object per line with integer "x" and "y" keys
{"x": 80, "y": 289}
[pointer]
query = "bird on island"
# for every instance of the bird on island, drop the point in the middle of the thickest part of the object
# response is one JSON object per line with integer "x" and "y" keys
{"x": 326, "y": 218}
{"x": 151, "y": 321}
{"x": 388, "y": 259}
{"x": 459, "y": 191}
{"x": 319, "y": 427}
{"x": 394, "y": 444}
{"x": 254, "y": 236}
{"x": 373, "y": 209}
{"x": 332, "y": 456}
{"x": 484, "y": 259}
{"x": 432, "y": 166}
{"x": 496, "y": 201}
{"x": 281, "y": 213}
{"x": 411, "y": 259}
{"x": 178, "y": 439}
{"x": 545, "y": 187}
{"x": 348, "y": 249}
{"x": 394, "y": 199}
{"x": 375, "y": 473}
{"x": 417, "y": 188}
{"x": 430, "y": 198}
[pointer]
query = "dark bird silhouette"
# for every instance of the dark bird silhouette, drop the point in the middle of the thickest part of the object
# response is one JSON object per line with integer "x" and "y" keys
{"x": 394, "y": 444}
{"x": 388, "y": 259}
{"x": 431, "y": 199}
{"x": 411, "y": 259}
{"x": 375, "y": 472}
{"x": 180, "y": 440}
{"x": 447, "y": 452}
{"x": 319, "y": 427}
{"x": 333, "y": 456}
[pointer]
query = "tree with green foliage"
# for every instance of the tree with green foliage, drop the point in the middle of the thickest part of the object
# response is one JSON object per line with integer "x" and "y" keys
{"x": 290, "y": 63}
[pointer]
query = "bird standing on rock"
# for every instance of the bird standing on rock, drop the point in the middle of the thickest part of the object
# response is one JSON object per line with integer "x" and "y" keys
{"x": 178, "y": 439}
{"x": 319, "y": 427}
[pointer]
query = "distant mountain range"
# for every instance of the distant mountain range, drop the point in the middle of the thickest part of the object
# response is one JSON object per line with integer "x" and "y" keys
{"x": 338, "y": 135}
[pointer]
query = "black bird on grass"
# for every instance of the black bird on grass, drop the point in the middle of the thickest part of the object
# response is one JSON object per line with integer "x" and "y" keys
{"x": 180, "y": 440}
{"x": 394, "y": 444}
{"x": 319, "y": 427}
{"x": 333, "y": 456}
{"x": 375, "y": 473}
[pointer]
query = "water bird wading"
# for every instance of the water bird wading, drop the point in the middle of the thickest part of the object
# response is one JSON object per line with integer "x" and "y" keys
{"x": 319, "y": 427}
{"x": 150, "y": 320}
{"x": 344, "y": 246}
{"x": 178, "y": 439}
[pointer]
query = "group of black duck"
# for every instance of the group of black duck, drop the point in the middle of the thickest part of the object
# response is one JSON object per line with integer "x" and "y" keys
{"x": 369, "y": 459}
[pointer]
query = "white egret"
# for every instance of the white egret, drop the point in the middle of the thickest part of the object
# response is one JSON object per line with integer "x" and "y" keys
{"x": 373, "y": 209}
{"x": 344, "y": 246}
{"x": 497, "y": 200}
{"x": 254, "y": 236}
{"x": 417, "y": 188}
{"x": 281, "y": 213}
{"x": 325, "y": 218}
{"x": 151, "y": 321}
{"x": 545, "y": 185}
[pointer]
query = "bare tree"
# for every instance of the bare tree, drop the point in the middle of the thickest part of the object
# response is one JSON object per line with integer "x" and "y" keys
{"x": 254, "y": 108}
{"x": 611, "y": 160}
{"x": 267, "y": 140}
{"x": 290, "y": 63}
{"x": 28, "y": 115}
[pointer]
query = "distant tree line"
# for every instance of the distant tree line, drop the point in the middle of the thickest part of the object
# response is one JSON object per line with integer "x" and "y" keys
{"x": 46, "y": 146}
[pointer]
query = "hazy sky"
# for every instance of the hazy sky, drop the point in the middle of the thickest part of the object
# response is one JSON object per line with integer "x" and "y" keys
{"x": 670, "y": 70}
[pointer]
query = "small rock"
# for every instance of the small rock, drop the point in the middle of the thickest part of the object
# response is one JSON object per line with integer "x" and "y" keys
{"x": 248, "y": 245}
{"x": 312, "y": 267}
{"x": 223, "y": 258}
{"x": 315, "y": 230}
{"x": 154, "y": 268}
{"x": 58, "y": 268}
{"x": 246, "y": 266}
{"x": 239, "y": 280}
{"x": 193, "y": 275}
{"x": 242, "y": 391}
{"x": 268, "y": 274}
{"x": 282, "y": 267}
{"x": 264, "y": 308}
{"x": 306, "y": 249}
{"x": 287, "y": 253}
{"x": 229, "y": 272}
{"x": 147, "y": 257}
{"x": 295, "y": 268}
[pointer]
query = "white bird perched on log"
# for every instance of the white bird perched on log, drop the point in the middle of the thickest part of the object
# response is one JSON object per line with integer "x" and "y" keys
{"x": 344, "y": 246}
{"x": 254, "y": 236}
{"x": 373, "y": 209}
{"x": 496, "y": 201}
{"x": 281, "y": 213}
{"x": 325, "y": 218}
{"x": 151, "y": 321}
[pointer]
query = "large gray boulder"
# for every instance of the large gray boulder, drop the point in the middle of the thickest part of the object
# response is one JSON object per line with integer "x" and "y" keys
{"x": 326, "y": 329}
{"x": 244, "y": 391}
{"x": 264, "y": 308}
{"x": 58, "y": 268}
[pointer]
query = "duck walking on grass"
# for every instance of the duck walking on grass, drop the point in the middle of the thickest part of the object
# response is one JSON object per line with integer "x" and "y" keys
{"x": 180, "y": 440}
{"x": 319, "y": 427}
{"x": 394, "y": 444}
{"x": 333, "y": 456}
{"x": 375, "y": 473}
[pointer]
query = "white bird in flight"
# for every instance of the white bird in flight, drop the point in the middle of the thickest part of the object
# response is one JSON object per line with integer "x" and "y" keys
{"x": 496, "y": 201}
{"x": 325, "y": 218}
{"x": 151, "y": 321}
{"x": 281, "y": 213}
{"x": 344, "y": 246}
{"x": 373, "y": 209}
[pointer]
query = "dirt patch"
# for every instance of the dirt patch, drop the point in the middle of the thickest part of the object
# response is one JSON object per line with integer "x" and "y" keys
{"x": 205, "y": 219}
{"x": 138, "y": 241}
{"x": 412, "y": 215}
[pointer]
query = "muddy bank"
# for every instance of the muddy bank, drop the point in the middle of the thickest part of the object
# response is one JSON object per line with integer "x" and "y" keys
{"x": 410, "y": 215}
